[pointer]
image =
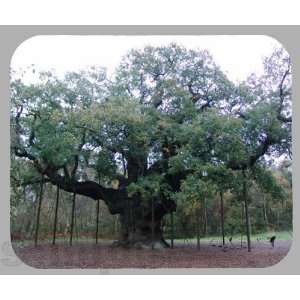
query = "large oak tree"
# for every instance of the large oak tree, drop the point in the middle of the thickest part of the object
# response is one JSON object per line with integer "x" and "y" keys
{"x": 166, "y": 113}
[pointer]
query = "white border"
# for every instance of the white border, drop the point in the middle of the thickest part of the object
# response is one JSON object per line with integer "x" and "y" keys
{"x": 154, "y": 12}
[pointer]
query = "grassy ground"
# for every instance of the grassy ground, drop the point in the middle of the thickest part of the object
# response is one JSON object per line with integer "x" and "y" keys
{"x": 282, "y": 236}
{"x": 61, "y": 240}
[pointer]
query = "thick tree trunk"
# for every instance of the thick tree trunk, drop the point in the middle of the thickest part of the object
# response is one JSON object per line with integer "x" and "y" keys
{"x": 135, "y": 216}
{"x": 145, "y": 235}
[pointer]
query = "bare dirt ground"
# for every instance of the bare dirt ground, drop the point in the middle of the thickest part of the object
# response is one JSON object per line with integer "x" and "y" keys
{"x": 89, "y": 255}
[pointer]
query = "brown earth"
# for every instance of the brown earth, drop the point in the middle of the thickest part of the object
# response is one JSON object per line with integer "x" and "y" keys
{"x": 89, "y": 255}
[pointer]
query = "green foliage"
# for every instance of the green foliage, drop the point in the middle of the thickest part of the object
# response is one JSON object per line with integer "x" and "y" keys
{"x": 168, "y": 114}
{"x": 150, "y": 188}
{"x": 268, "y": 183}
{"x": 193, "y": 192}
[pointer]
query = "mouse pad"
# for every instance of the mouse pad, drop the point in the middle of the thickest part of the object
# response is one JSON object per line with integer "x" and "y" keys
{"x": 149, "y": 150}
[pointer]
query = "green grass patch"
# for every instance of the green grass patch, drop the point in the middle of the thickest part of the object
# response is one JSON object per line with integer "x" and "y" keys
{"x": 265, "y": 236}
{"x": 280, "y": 235}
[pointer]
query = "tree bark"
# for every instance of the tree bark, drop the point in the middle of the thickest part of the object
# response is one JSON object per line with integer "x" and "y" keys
{"x": 147, "y": 235}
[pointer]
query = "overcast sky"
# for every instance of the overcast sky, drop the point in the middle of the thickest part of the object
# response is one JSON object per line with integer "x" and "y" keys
{"x": 238, "y": 56}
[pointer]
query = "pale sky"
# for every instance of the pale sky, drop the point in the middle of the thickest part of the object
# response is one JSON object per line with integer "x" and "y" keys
{"x": 238, "y": 56}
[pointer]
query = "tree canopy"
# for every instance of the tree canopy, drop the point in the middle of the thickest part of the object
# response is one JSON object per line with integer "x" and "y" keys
{"x": 169, "y": 121}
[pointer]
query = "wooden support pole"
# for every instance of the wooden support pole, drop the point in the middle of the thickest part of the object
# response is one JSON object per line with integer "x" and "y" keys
{"x": 172, "y": 230}
{"x": 198, "y": 228}
{"x": 247, "y": 217}
{"x": 204, "y": 217}
{"x": 38, "y": 213}
{"x": 55, "y": 216}
{"x": 97, "y": 219}
{"x": 242, "y": 220}
{"x": 128, "y": 218}
{"x": 97, "y": 212}
{"x": 152, "y": 223}
{"x": 222, "y": 217}
{"x": 73, "y": 217}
